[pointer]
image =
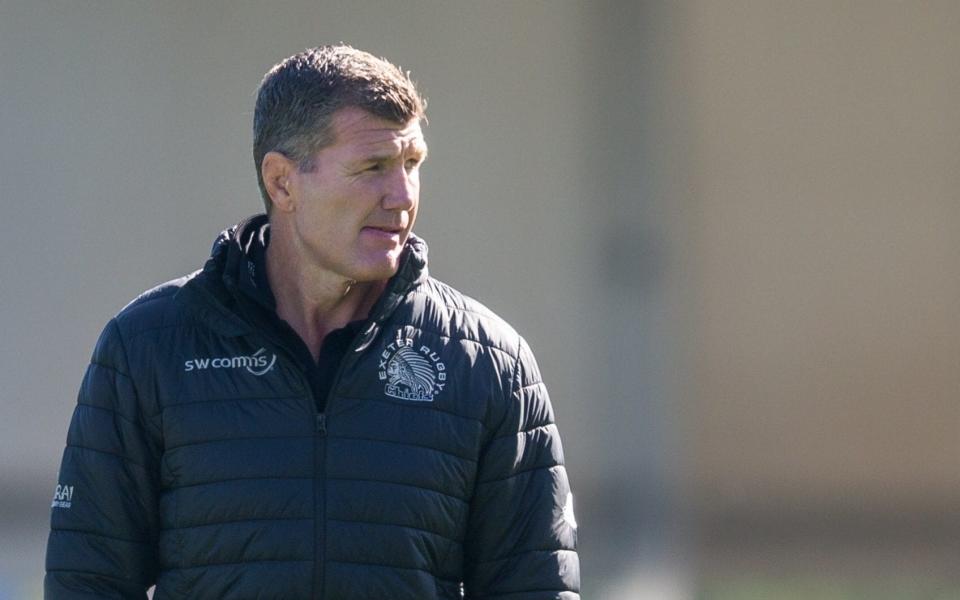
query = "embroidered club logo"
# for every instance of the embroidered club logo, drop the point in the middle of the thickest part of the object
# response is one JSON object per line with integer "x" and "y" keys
{"x": 410, "y": 373}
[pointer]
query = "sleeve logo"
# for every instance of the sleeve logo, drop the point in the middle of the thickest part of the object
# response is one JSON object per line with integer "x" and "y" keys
{"x": 62, "y": 496}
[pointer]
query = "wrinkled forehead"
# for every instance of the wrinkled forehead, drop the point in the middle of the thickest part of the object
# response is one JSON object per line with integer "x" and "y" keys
{"x": 365, "y": 132}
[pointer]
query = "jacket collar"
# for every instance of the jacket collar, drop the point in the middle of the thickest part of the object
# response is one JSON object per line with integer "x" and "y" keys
{"x": 212, "y": 292}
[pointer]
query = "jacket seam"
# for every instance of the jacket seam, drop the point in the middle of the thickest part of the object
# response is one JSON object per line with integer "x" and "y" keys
{"x": 410, "y": 485}
{"x": 235, "y": 521}
{"x": 150, "y": 296}
{"x": 452, "y": 338}
{"x": 103, "y": 535}
{"x": 528, "y": 430}
{"x": 104, "y": 365}
{"x": 238, "y": 439}
{"x": 431, "y": 532}
{"x": 229, "y": 479}
{"x": 133, "y": 384}
{"x": 422, "y": 292}
{"x": 96, "y": 574}
{"x": 192, "y": 402}
{"x": 424, "y": 446}
{"x": 183, "y": 324}
{"x": 111, "y": 411}
{"x": 433, "y": 408}
{"x": 515, "y": 383}
{"x": 123, "y": 458}
{"x": 528, "y": 386}
{"x": 373, "y": 564}
{"x": 239, "y": 562}
{"x": 515, "y": 592}
{"x": 141, "y": 301}
{"x": 126, "y": 357}
{"x": 464, "y": 338}
{"x": 518, "y": 473}
{"x": 521, "y": 553}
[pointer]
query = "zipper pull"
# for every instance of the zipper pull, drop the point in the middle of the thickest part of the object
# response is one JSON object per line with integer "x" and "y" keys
{"x": 321, "y": 423}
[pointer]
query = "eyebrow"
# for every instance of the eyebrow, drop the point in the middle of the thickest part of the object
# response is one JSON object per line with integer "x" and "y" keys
{"x": 420, "y": 150}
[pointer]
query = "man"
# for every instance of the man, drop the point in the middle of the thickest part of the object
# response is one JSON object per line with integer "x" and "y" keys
{"x": 311, "y": 415}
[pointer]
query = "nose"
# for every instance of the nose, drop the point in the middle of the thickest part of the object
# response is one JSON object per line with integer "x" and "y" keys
{"x": 402, "y": 189}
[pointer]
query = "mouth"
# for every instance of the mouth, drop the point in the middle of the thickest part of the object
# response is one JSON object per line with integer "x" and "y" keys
{"x": 384, "y": 228}
{"x": 385, "y": 232}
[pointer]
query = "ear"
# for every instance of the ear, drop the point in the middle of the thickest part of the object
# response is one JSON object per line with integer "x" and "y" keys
{"x": 277, "y": 170}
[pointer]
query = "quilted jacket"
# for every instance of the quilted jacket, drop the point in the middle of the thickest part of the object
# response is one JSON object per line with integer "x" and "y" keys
{"x": 197, "y": 460}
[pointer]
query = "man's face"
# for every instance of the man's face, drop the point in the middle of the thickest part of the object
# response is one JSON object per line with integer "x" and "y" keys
{"x": 355, "y": 209}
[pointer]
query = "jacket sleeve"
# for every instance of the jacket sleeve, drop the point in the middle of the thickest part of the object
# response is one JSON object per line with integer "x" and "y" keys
{"x": 521, "y": 532}
{"x": 103, "y": 534}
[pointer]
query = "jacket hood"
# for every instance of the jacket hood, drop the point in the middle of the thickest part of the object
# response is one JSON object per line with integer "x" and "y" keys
{"x": 213, "y": 290}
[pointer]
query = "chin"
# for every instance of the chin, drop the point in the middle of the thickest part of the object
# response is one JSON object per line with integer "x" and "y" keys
{"x": 379, "y": 272}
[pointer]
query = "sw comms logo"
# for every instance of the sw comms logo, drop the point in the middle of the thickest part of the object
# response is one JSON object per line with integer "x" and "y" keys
{"x": 257, "y": 363}
{"x": 416, "y": 375}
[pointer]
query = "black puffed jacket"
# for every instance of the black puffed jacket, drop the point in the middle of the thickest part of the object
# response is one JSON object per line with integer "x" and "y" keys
{"x": 197, "y": 460}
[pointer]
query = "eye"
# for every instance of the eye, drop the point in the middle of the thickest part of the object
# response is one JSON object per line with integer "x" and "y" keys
{"x": 412, "y": 163}
{"x": 374, "y": 167}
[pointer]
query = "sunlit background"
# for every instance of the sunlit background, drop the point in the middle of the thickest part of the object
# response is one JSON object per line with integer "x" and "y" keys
{"x": 729, "y": 229}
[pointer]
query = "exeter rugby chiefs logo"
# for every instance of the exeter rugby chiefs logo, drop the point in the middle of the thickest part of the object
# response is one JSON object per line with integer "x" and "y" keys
{"x": 411, "y": 374}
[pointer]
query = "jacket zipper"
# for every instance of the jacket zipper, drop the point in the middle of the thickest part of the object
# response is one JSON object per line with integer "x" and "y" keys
{"x": 320, "y": 505}
{"x": 320, "y": 462}
{"x": 320, "y": 481}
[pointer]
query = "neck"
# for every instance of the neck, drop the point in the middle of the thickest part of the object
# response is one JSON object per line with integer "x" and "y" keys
{"x": 314, "y": 301}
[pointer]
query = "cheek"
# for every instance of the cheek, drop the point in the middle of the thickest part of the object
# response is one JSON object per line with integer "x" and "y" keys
{"x": 413, "y": 213}
{"x": 415, "y": 192}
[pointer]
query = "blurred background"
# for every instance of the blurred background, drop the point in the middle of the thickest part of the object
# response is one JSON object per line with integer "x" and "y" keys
{"x": 729, "y": 229}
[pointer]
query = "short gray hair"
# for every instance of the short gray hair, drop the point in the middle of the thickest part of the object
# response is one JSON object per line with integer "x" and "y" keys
{"x": 298, "y": 96}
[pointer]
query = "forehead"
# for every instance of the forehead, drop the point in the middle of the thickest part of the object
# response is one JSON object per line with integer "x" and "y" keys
{"x": 358, "y": 131}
